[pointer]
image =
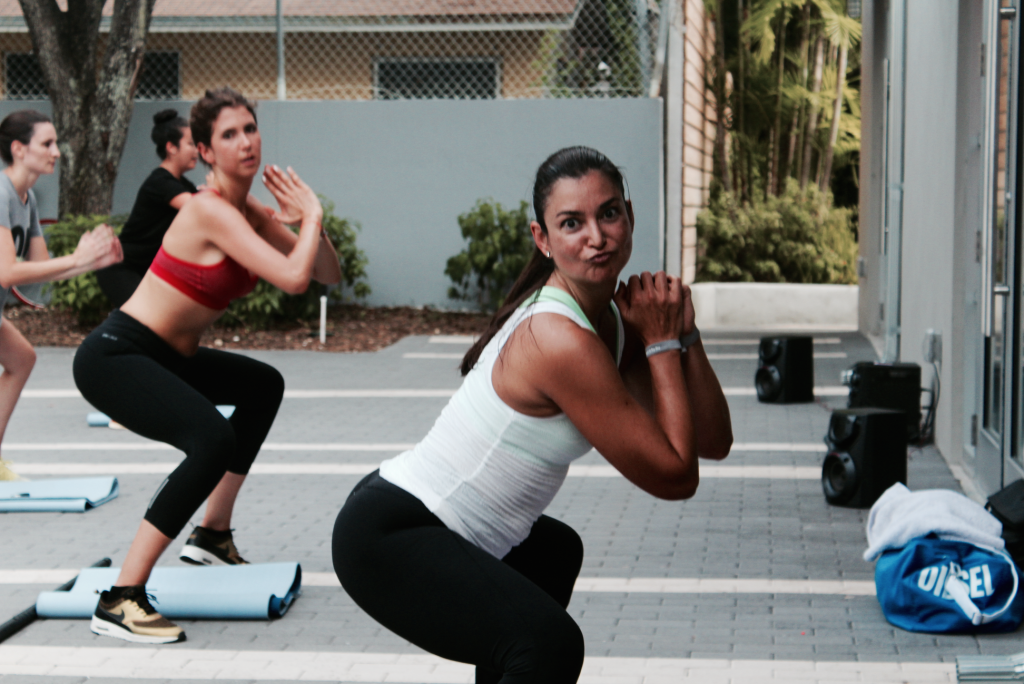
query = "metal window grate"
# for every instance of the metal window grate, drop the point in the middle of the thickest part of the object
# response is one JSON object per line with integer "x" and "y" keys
{"x": 160, "y": 78}
{"x": 412, "y": 78}
{"x": 23, "y": 80}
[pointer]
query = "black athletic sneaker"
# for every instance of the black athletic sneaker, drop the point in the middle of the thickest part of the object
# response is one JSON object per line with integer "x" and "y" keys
{"x": 125, "y": 613}
{"x": 210, "y": 547}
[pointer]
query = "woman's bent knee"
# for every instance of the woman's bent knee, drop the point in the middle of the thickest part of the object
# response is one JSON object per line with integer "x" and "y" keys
{"x": 553, "y": 655}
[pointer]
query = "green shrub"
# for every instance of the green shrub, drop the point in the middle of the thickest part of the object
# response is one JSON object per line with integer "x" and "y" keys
{"x": 267, "y": 304}
{"x": 80, "y": 294}
{"x": 263, "y": 306}
{"x": 797, "y": 237}
{"x": 500, "y": 244}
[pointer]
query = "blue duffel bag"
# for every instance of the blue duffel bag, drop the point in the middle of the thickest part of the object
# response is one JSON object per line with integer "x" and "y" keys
{"x": 936, "y": 585}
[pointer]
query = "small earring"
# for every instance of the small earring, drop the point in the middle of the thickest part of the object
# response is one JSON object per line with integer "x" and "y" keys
{"x": 549, "y": 255}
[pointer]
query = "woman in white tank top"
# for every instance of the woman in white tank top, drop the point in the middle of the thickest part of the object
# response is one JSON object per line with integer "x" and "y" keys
{"x": 447, "y": 544}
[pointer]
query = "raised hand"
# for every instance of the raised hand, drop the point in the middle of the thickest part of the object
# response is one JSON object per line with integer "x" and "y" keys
{"x": 654, "y": 306}
{"x": 296, "y": 199}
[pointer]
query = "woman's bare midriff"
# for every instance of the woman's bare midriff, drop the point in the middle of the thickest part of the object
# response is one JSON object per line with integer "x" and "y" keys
{"x": 179, "y": 320}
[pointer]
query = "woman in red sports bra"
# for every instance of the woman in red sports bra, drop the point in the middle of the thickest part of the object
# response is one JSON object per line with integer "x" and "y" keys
{"x": 145, "y": 369}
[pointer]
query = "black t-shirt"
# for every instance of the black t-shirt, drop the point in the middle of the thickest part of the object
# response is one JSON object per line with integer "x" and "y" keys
{"x": 151, "y": 217}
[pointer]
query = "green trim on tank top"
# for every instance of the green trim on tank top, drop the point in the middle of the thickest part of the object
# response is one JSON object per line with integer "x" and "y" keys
{"x": 554, "y": 294}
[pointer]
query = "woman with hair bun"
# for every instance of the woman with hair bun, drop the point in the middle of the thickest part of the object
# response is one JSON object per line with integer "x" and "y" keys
{"x": 447, "y": 544}
{"x": 28, "y": 145}
{"x": 144, "y": 368}
{"x": 162, "y": 194}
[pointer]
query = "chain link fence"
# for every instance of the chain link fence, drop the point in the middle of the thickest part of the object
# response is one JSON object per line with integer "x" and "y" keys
{"x": 381, "y": 49}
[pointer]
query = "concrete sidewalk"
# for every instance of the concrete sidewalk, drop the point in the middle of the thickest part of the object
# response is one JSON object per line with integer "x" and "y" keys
{"x": 754, "y": 579}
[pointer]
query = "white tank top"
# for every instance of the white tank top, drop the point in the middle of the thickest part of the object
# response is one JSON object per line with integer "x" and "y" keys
{"x": 486, "y": 470}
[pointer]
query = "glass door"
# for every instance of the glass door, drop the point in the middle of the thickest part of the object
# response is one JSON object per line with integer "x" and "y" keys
{"x": 999, "y": 437}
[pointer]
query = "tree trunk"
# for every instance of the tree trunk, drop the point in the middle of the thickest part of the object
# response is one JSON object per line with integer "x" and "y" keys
{"x": 740, "y": 145}
{"x": 798, "y": 108}
{"x": 812, "y": 114}
{"x": 837, "y": 113}
{"x": 91, "y": 111}
{"x": 773, "y": 174}
{"x": 720, "y": 100}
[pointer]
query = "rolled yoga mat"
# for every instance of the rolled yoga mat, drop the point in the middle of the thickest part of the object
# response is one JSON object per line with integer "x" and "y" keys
{"x": 69, "y": 495}
{"x": 260, "y": 591}
{"x": 97, "y": 419}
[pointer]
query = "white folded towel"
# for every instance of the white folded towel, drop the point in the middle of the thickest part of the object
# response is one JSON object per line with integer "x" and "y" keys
{"x": 900, "y": 515}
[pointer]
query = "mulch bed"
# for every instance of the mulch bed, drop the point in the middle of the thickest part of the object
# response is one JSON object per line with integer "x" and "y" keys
{"x": 350, "y": 328}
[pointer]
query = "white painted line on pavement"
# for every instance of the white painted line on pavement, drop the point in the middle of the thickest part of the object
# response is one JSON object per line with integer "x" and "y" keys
{"x": 660, "y": 585}
{"x": 288, "y": 394}
{"x": 431, "y": 355}
{"x": 829, "y": 391}
{"x": 638, "y": 585}
{"x": 22, "y": 576}
{"x": 681, "y": 585}
{"x": 368, "y": 394}
{"x": 814, "y": 447}
{"x": 753, "y": 357}
{"x": 452, "y": 339}
{"x": 769, "y": 472}
{"x": 159, "y": 446}
{"x": 50, "y": 394}
{"x": 176, "y": 663}
{"x": 755, "y": 342}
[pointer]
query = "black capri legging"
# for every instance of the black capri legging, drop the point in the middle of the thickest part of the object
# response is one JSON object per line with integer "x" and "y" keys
{"x": 427, "y": 584}
{"x": 127, "y": 371}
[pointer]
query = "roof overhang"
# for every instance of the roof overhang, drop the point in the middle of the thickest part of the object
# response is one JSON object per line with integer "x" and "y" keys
{"x": 343, "y": 16}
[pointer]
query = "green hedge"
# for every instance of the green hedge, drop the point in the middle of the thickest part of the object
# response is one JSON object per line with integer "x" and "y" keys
{"x": 797, "y": 237}
{"x": 499, "y": 246}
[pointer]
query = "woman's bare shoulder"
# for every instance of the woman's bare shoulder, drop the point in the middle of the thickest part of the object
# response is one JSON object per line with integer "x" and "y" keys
{"x": 555, "y": 337}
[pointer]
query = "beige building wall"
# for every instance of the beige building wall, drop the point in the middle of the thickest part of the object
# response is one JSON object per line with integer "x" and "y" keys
{"x": 330, "y": 66}
{"x": 698, "y": 127}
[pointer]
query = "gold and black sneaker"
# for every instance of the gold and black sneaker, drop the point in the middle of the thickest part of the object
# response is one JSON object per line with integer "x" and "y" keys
{"x": 6, "y": 474}
{"x": 125, "y": 613}
{"x": 211, "y": 547}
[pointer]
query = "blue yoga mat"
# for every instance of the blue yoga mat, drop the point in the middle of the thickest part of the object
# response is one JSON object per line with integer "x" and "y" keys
{"x": 97, "y": 419}
{"x": 229, "y": 592}
{"x": 71, "y": 495}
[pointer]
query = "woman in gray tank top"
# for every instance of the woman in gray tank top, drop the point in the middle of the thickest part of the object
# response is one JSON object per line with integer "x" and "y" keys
{"x": 28, "y": 145}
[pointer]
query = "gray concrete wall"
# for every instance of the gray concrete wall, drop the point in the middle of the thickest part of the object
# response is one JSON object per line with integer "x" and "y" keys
{"x": 406, "y": 169}
{"x": 872, "y": 163}
{"x": 929, "y": 189}
{"x": 966, "y": 353}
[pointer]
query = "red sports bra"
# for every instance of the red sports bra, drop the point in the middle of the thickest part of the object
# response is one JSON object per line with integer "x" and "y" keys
{"x": 212, "y": 286}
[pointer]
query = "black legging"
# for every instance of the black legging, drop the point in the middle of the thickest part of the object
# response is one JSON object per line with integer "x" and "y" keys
{"x": 118, "y": 282}
{"x": 427, "y": 584}
{"x": 127, "y": 371}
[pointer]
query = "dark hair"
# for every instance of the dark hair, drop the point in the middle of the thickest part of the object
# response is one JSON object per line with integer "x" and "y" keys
{"x": 569, "y": 162}
{"x": 167, "y": 127}
{"x": 206, "y": 111}
{"x": 20, "y": 126}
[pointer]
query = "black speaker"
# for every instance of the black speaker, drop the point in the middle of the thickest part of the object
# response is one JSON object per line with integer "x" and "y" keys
{"x": 867, "y": 454}
{"x": 785, "y": 373}
{"x": 895, "y": 386}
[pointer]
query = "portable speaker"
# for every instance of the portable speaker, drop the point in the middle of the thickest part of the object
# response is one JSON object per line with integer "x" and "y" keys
{"x": 785, "y": 373}
{"x": 867, "y": 454}
{"x": 894, "y": 386}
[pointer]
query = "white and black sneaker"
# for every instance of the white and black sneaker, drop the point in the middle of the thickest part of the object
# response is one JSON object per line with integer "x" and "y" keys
{"x": 211, "y": 547}
{"x": 125, "y": 613}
